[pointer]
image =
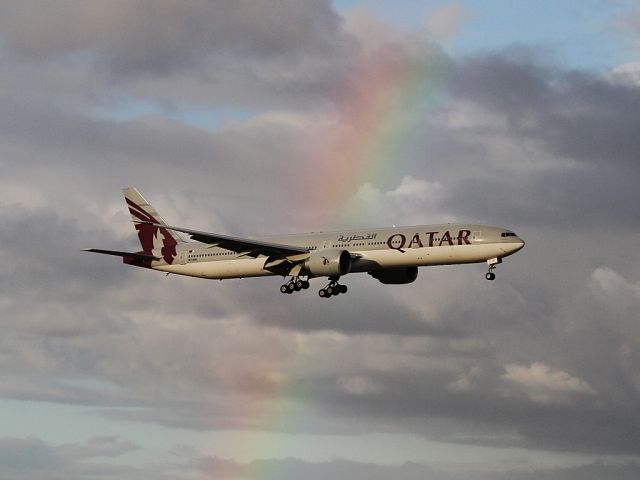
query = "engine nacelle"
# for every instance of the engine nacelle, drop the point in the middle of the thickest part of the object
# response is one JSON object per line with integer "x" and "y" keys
{"x": 395, "y": 276}
{"x": 331, "y": 262}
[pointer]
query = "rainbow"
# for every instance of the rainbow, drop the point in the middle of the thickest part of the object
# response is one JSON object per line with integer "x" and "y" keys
{"x": 260, "y": 418}
{"x": 378, "y": 132}
{"x": 382, "y": 117}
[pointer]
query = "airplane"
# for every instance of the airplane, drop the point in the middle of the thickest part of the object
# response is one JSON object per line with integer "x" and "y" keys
{"x": 390, "y": 255}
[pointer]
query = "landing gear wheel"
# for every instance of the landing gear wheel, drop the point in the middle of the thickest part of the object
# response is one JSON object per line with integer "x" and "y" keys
{"x": 295, "y": 284}
{"x": 332, "y": 289}
{"x": 490, "y": 276}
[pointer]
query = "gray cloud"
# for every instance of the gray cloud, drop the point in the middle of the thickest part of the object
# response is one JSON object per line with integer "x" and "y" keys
{"x": 33, "y": 458}
{"x": 292, "y": 468}
{"x": 173, "y": 54}
{"x": 159, "y": 37}
{"x": 519, "y": 142}
{"x": 214, "y": 467}
{"x": 594, "y": 471}
{"x": 573, "y": 114}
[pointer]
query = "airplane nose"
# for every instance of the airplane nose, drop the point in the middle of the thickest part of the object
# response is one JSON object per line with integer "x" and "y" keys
{"x": 513, "y": 247}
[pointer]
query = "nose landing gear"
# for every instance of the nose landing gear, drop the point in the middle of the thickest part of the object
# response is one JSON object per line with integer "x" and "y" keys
{"x": 492, "y": 265}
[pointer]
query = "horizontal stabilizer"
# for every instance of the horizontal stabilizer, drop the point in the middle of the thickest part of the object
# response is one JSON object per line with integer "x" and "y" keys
{"x": 136, "y": 256}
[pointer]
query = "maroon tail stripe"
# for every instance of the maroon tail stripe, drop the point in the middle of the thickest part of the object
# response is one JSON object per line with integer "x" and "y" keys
{"x": 138, "y": 212}
{"x": 144, "y": 218}
{"x": 133, "y": 206}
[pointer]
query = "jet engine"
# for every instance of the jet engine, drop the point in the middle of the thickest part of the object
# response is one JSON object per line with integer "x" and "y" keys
{"x": 395, "y": 276}
{"x": 328, "y": 263}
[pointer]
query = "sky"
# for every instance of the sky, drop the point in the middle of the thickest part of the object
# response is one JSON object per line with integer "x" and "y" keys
{"x": 283, "y": 116}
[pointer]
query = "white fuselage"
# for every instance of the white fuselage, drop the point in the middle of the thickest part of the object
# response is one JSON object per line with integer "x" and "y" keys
{"x": 370, "y": 249}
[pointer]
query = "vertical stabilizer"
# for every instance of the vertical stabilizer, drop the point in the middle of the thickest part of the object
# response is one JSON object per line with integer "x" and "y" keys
{"x": 154, "y": 240}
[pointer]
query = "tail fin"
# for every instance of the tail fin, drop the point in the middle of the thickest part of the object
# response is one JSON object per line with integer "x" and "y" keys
{"x": 149, "y": 235}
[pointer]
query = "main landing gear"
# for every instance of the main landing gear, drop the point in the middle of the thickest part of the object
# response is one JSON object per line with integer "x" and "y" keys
{"x": 294, "y": 285}
{"x": 334, "y": 288}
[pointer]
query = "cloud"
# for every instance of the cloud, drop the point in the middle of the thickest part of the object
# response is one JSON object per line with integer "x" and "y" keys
{"x": 593, "y": 471}
{"x": 412, "y": 201}
{"x": 509, "y": 138}
{"x": 446, "y": 20}
{"x": 540, "y": 383}
{"x": 290, "y": 468}
{"x": 612, "y": 284}
{"x": 358, "y": 385}
{"x": 626, "y": 74}
{"x": 373, "y": 33}
{"x": 33, "y": 458}
{"x": 572, "y": 114}
{"x": 171, "y": 56}
{"x": 159, "y": 37}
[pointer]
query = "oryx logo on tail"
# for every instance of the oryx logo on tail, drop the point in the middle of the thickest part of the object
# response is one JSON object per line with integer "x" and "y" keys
{"x": 152, "y": 238}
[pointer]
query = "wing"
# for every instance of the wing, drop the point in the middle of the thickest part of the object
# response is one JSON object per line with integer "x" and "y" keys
{"x": 244, "y": 246}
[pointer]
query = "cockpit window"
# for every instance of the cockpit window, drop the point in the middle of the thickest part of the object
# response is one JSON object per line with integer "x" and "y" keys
{"x": 508, "y": 234}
